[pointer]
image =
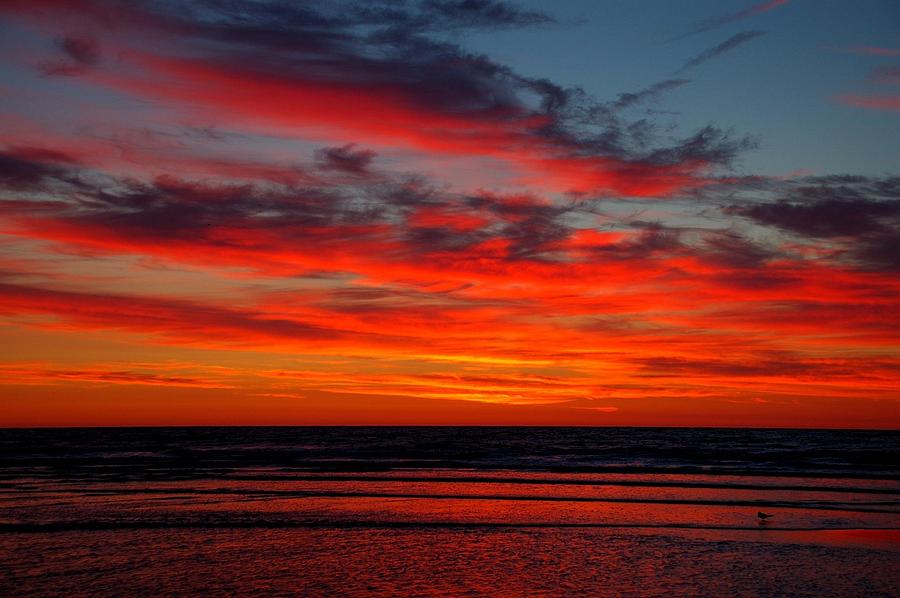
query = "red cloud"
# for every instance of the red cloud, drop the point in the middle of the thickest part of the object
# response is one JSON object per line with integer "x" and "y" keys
{"x": 873, "y": 102}
{"x": 28, "y": 374}
{"x": 874, "y": 51}
{"x": 389, "y": 116}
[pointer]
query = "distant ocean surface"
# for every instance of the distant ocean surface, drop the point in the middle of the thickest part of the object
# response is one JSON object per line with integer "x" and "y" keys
{"x": 449, "y": 511}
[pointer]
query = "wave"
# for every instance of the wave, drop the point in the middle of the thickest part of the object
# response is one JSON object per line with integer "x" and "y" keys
{"x": 106, "y": 472}
{"x": 217, "y": 451}
{"x": 69, "y": 526}
{"x": 817, "y": 485}
{"x": 511, "y": 479}
{"x": 890, "y": 507}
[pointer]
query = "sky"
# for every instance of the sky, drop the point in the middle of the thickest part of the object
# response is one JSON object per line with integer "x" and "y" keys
{"x": 257, "y": 212}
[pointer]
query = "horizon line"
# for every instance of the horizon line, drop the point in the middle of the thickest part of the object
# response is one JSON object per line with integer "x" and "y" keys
{"x": 661, "y": 427}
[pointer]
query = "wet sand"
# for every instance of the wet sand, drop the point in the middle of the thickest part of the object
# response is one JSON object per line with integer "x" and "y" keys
{"x": 456, "y": 561}
{"x": 451, "y": 533}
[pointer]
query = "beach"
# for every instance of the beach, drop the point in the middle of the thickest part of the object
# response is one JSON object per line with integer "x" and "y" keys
{"x": 444, "y": 511}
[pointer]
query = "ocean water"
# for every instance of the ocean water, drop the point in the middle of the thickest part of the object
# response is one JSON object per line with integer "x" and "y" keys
{"x": 449, "y": 511}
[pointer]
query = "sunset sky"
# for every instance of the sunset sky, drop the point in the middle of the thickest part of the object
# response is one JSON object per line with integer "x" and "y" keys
{"x": 450, "y": 212}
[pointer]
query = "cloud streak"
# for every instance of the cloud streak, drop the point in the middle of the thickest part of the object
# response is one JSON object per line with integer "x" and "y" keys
{"x": 728, "y": 45}
{"x": 29, "y": 374}
{"x": 717, "y": 22}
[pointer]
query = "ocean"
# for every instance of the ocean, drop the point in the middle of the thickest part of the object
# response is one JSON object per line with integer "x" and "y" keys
{"x": 445, "y": 511}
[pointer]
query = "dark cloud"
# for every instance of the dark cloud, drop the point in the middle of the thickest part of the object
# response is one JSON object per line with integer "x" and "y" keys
{"x": 710, "y": 144}
{"x": 859, "y": 215}
{"x": 32, "y": 168}
{"x": 346, "y": 158}
{"x": 830, "y": 217}
{"x": 486, "y": 13}
{"x": 81, "y": 50}
{"x": 77, "y": 54}
{"x": 880, "y": 251}
{"x": 461, "y": 14}
{"x": 174, "y": 208}
{"x": 600, "y": 128}
{"x": 729, "y": 44}
{"x": 732, "y": 250}
{"x": 536, "y": 236}
{"x": 828, "y": 206}
{"x": 651, "y": 93}
{"x": 432, "y": 239}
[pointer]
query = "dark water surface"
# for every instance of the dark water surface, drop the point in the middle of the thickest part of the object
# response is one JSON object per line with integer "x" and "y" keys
{"x": 449, "y": 511}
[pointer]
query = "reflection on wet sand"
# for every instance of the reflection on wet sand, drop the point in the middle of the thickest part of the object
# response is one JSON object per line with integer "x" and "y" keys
{"x": 574, "y": 513}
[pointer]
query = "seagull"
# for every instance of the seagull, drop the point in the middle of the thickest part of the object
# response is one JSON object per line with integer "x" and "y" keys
{"x": 762, "y": 516}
